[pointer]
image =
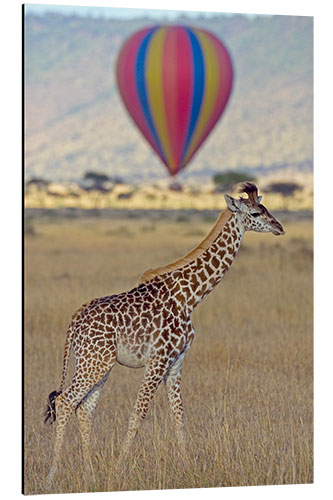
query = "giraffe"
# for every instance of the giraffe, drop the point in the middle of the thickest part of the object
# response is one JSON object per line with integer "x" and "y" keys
{"x": 149, "y": 326}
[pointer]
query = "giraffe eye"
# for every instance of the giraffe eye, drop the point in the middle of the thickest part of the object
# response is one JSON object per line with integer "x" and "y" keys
{"x": 256, "y": 214}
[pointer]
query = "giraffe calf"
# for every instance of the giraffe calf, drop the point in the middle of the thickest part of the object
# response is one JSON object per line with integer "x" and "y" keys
{"x": 149, "y": 326}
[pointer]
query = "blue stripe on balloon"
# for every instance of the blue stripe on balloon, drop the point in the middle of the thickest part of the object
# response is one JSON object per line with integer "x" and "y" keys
{"x": 198, "y": 86}
{"x": 141, "y": 86}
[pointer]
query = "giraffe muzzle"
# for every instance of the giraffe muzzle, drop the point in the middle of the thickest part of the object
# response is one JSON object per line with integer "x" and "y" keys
{"x": 278, "y": 230}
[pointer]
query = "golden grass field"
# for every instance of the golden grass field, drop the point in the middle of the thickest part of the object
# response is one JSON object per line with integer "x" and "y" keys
{"x": 247, "y": 380}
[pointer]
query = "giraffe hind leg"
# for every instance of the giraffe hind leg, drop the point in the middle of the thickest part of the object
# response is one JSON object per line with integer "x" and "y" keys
{"x": 85, "y": 413}
{"x": 65, "y": 404}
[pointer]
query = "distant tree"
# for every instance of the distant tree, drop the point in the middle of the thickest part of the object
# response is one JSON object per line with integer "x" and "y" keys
{"x": 286, "y": 189}
{"x": 125, "y": 196}
{"x": 117, "y": 180}
{"x": 38, "y": 187}
{"x": 38, "y": 181}
{"x": 225, "y": 181}
{"x": 97, "y": 181}
{"x": 97, "y": 177}
{"x": 175, "y": 186}
{"x": 98, "y": 184}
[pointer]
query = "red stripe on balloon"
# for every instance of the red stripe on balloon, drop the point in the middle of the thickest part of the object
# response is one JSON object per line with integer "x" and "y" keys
{"x": 178, "y": 89}
{"x": 126, "y": 78}
{"x": 225, "y": 85}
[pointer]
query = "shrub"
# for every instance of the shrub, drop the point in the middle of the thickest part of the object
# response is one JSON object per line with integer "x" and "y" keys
{"x": 225, "y": 181}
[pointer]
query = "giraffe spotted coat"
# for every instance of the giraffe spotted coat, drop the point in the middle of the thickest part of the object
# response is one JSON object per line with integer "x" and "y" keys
{"x": 149, "y": 326}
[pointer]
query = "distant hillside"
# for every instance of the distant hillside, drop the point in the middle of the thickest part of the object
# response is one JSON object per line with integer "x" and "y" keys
{"x": 76, "y": 122}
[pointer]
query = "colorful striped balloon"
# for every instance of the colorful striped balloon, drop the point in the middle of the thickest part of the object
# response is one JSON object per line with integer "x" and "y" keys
{"x": 175, "y": 82}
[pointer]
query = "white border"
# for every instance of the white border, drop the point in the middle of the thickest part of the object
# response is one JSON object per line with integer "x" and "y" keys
{"x": 11, "y": 242}
{"x": 283, "y": 7}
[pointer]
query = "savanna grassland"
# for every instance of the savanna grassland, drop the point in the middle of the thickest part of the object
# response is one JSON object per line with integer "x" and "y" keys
{"x": 247, "y": 380}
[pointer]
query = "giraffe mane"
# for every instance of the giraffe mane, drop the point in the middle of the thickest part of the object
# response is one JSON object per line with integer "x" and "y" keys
{"x": 193, "y": 254}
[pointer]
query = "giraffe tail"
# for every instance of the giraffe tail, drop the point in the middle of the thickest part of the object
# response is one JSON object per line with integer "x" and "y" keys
{"x": 50, "y": 412}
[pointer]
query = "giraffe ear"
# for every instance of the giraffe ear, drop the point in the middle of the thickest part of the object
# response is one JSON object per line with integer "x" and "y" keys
{"x": 233, "y": 204}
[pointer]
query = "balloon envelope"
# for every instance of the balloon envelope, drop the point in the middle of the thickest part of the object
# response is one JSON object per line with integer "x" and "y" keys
{"x": 175, "y": 82}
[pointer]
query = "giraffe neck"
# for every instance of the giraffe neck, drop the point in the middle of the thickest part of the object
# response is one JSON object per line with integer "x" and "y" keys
{"x": 196, "y": 279}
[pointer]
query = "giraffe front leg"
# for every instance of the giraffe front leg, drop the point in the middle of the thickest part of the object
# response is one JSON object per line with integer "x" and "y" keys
{"x": 173, "y": 388}
{"x": 153, "y": 376}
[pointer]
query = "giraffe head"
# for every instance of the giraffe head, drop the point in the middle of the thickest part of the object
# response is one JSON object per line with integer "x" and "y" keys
{"x": 251, "y": 213}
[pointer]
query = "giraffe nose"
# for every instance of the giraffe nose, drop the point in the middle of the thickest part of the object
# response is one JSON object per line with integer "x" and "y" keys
{"x": 278, "y": 229}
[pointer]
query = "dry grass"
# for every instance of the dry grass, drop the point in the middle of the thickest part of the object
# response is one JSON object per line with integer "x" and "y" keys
{"x": 247, "y": 381}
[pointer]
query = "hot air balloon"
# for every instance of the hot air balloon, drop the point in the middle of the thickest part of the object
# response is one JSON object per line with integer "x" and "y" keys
{"x": 175, "y": 82}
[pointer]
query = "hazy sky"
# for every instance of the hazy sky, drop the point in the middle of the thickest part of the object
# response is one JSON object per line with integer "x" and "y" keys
{"x": 123, "y": 13}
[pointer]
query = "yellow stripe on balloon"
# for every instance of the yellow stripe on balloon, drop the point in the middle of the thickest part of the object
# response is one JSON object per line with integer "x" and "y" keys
{"x": 210, "y": 92}
{"x": 154, "y": 85}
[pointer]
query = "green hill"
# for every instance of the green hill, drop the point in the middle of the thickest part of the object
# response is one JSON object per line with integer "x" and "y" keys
{"x": 75, "y": 120}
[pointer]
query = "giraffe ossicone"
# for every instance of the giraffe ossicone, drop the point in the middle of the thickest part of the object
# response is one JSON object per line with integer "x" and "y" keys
{"x": 149, "y": 326}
